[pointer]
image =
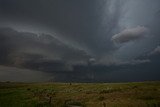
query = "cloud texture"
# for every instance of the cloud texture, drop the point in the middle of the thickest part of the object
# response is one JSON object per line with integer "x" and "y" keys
{"x": 128, "y": 35}
{"x": 81, "y": 40}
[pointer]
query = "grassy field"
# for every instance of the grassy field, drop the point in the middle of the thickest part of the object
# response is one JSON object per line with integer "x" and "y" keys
{"x": 145, "y": 94}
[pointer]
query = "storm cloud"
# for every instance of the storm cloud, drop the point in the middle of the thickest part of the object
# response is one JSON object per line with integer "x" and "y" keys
{"x": 24, "y": 47}
{"x": 71, "y": 39}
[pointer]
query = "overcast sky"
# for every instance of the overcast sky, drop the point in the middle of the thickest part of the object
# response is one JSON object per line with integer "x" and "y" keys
{"x": 80, "y": 40}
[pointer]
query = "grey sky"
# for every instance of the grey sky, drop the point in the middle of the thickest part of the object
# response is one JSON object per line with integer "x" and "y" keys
{"x": 57, "y": 35}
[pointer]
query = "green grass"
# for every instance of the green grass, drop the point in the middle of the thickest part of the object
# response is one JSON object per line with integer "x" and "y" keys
{"x": 146, "y": 94}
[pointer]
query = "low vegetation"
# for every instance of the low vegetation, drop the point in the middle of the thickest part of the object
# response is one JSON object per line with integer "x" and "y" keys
{"x": 145, "y": 94}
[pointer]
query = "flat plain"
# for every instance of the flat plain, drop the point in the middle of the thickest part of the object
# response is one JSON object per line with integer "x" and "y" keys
{"x": 140, "y": 94}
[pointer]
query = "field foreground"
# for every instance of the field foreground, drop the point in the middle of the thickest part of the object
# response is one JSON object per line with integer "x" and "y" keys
{"x": 146, "y": 94}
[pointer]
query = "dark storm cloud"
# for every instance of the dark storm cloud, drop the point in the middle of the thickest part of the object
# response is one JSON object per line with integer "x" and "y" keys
{"x": 5, "y": 48}
{"x": 59, "y": 35}
{"x": 24, "y": 49}
{"x": 89, "y": 23}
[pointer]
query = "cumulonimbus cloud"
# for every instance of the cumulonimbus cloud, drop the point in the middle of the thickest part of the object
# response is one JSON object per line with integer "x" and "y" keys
{"x": 32, "y": 51}
{"x": 128, "y": 35}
